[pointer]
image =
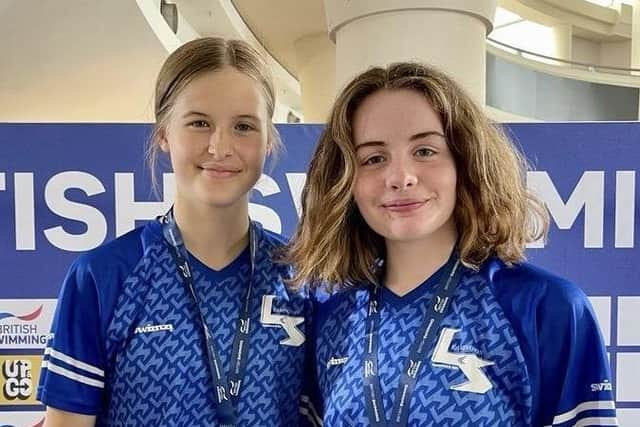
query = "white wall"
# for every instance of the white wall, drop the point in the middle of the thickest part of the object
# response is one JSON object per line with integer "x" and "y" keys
{"x": 616, "y": 54}
{"x": 521, "y": 35}
{"x": 76, "y": 60}
{"x": 586, "y": 51}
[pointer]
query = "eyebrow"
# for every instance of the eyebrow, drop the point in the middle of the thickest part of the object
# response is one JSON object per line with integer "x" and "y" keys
{"x": 193, "y": 113}
{"x": 240, "y": 116}
{"x": 248, "y": 116}
{"x": 412, "y": 138}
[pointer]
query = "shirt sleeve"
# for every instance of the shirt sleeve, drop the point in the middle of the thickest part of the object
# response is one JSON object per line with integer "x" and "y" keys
{"x": 310, "y": 400}
{"x": 575, "y": 377}
{"x": 73, "y": 369}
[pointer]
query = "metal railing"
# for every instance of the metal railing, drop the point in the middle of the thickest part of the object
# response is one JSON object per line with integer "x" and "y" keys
{"x": 596, "y": 68}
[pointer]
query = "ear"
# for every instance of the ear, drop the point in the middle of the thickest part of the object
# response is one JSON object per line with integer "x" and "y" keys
{"x": 271, "y": 139}
{"x": 269, "y": 145}
{"x": 161, "y": 140}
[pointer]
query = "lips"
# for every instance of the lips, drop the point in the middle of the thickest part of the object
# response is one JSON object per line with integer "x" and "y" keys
{"x": 219, "y": 171}
{"x": 404, "y": 205}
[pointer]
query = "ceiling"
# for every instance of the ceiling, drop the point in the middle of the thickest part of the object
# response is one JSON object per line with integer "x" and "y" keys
{"x": 277, "y": 24}
{"x": 278, "y": 30}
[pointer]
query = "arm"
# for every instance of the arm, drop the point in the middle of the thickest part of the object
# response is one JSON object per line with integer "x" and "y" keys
{"x": 57, "y": 418}
{"x": 72, "y": 378}
{"x": 576, "y": 384}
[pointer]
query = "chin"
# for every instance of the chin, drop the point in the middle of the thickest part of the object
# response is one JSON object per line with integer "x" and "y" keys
{"x": 404, "y": 237}
{"x": 399, "y": 235}
{"x": 412, "y": 233}
{"x": 223, "y": 201}
{"x": 224, "y": 194}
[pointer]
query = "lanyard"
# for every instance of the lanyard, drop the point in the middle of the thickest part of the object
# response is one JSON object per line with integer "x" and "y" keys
{"x": 425, "y": 338}
{"x": 225, "y": 392}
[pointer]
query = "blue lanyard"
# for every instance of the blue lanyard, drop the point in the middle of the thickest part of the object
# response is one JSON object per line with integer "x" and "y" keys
{"x": 425, "y": 338}
{"x": 225, "y": 392}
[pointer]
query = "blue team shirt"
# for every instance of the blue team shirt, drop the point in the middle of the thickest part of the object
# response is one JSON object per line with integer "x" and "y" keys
{"x": 128, "y": 345}
{"x": 518, "y": 347}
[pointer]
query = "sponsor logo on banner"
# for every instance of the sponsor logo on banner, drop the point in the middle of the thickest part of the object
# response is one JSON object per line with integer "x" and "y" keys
{"x": 21, "y": 419}
{"x": 25, "y": 323}
{"x": 19, "y": 376}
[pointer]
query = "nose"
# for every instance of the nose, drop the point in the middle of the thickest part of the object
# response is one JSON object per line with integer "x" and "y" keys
{"x": 400, "y": 176}
{"x": 219, "y": 145}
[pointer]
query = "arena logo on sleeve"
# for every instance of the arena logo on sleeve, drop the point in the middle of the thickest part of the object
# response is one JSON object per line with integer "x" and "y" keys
{"x": 25, "y": 323}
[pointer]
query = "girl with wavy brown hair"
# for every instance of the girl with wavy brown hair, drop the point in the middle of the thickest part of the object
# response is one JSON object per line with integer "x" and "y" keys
{"x": 416, "y": 215}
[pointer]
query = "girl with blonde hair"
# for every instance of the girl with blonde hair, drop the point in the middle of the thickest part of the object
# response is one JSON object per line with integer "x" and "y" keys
{"x": 186, "y": 321}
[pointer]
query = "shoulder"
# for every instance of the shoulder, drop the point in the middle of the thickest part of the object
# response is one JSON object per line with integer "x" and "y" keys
{"x": 271, "y": 247}
{"x": 95, "y": 281}
{"x": 529, "y": 286}
{"x": 101, "y": 272}
{"x": 556, "y": 326}
{"x": 339, "y": 303}
{"x": 270, "y": 239}
{"x": 122, "y": 252}
{"x": 546, "y": 311}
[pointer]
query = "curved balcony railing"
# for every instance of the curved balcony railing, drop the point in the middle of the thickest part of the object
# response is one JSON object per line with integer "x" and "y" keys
{"x": 559, "y": 90}
{"x": 596, "y": 68}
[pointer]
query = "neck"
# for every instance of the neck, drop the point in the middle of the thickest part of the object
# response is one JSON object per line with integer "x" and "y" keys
{"x": 409, "y": 263}
{"x": 216, "y": 236}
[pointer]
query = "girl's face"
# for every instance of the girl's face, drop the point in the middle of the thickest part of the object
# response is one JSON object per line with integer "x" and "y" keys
{"x": 405, "y": 184}
{"x": 217, "y": 137}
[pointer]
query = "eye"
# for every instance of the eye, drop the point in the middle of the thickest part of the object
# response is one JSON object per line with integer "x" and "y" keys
{"x": 199, "y": 124}
{"x": 245, "y": 127}
{"x": 424, "y": 152}
{"x": 373, "y": 160}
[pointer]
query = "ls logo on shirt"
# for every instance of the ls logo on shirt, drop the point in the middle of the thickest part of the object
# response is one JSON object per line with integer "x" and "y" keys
{"x": 470, "y": 364}
{"x": 288, "y": 323}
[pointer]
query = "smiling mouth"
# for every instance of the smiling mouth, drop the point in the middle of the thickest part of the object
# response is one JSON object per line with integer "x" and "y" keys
{"x": 220, "y": 172}
{"x": 404, "y": 206}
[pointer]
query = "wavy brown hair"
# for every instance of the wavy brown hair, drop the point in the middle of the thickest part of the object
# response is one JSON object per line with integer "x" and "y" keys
{"x": 495, "y": 215}
{"x": 189, "y": 62}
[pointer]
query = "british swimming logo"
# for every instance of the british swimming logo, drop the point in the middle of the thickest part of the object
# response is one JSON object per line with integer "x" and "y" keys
{"x": 25, "y": 317}
{"x": 25, "y": 323}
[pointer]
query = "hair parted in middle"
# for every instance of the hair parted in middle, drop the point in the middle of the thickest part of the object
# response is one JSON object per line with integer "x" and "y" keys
{"x": 494, "y": 214}
{"x": 193, "y": 59}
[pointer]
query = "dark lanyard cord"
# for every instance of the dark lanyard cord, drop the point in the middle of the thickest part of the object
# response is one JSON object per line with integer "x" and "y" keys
{"x": 425, "y": 338}
{"x": 225, "y": 392}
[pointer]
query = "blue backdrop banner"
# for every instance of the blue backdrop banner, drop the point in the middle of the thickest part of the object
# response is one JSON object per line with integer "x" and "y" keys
{"x": 66, "y": 188}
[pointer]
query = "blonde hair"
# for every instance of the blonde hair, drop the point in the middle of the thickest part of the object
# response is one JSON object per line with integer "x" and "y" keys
{"x": 191, "y": 60}
{"x": 494, "y": 213}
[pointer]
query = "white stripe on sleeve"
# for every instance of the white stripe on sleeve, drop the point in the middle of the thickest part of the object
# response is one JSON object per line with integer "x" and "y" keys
{"x": 73, "y": 362}
{"x": 586, "y": 406}
{"x": 51, "y": 367}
